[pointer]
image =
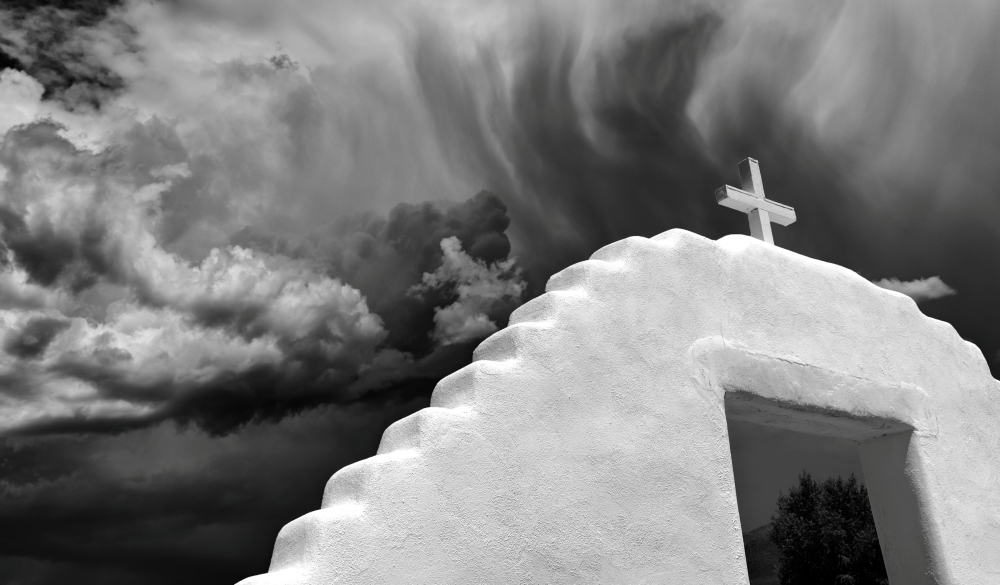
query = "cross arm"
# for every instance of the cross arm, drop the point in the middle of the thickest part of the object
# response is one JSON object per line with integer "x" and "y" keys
{"x": 740, "y": 200}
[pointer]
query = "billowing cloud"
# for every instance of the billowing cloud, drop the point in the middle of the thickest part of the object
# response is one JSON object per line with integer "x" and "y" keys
{"x": 187, "y": 250}
{"x": 133, "y": 329}
{"x": 920, "y": 290}
{"x": 481, "y": 290}
{"x": 64, "y": 45}
{"x": 387, "y": 256}
{"x": 33, "y": 338}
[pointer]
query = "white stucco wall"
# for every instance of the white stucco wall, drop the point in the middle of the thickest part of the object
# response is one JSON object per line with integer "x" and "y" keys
{"x": 587, "y": 443}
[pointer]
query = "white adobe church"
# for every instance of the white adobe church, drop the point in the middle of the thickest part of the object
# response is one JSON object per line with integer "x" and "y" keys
{"x": 587, "y": 443}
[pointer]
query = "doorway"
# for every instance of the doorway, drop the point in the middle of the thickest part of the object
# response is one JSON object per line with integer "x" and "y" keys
{"x": 770, "y": 461}
{"x": 772, "y": 443}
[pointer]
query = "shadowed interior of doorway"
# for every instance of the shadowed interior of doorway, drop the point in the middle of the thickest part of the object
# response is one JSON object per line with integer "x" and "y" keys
{"x": 767, "y": 463}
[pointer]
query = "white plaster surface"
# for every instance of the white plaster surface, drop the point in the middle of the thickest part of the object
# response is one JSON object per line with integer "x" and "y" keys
{"x": 587, "y": 443}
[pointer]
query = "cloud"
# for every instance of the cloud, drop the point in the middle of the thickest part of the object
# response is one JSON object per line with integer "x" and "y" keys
{"x": 385, "y": 256}
{"x": 22, "y": 96}
{"x": 578, "y": 132}
{"x": 127, "y": 327}
{"x": 165, "y": 504}
{"x": 920, "y": 290}
{"x": 481, "y": 290}
{"x": 65, "y": 47}
{"x": 34, "y": 338}
{"x": 168, "y": 308}
{"x": 204, "y": 260}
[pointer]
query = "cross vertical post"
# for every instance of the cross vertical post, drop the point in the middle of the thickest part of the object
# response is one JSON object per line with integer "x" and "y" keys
{"x": 750, "y": 200}
{"x": 760, "y": 225}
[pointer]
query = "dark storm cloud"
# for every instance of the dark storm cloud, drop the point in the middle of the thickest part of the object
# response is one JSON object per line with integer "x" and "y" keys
{"x": 32, "y": 340}
{"x": 51, "y": 257}
{"x": 43, "y": 39}
{"x": 172, "y": 314}
{"x": 368, "y": 249}
{"x": 258, "y": 329}
{"x": 161, "y": 504}
{"x": 386, "y": 257}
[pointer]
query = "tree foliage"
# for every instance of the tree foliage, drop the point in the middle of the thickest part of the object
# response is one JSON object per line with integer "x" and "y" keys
{"x": 826, "y": 535}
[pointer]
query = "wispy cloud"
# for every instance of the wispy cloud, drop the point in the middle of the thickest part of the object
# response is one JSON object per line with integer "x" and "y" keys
{"x": 920, "y": 290}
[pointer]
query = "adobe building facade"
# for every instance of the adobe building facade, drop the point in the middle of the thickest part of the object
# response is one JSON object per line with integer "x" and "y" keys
{"x": 587, "y": 442}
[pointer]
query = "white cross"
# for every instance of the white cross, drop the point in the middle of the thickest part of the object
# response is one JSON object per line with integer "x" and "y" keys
{"x": 750, "y": 200}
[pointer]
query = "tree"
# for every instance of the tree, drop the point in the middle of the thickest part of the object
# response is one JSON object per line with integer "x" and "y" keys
{"x": 826, "y": 535}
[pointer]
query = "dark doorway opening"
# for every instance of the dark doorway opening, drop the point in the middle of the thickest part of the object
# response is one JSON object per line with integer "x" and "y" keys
{"x": 769, "y": 460}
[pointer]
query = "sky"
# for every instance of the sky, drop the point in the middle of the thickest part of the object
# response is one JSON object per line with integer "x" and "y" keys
{"x": 239, "y": 238}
